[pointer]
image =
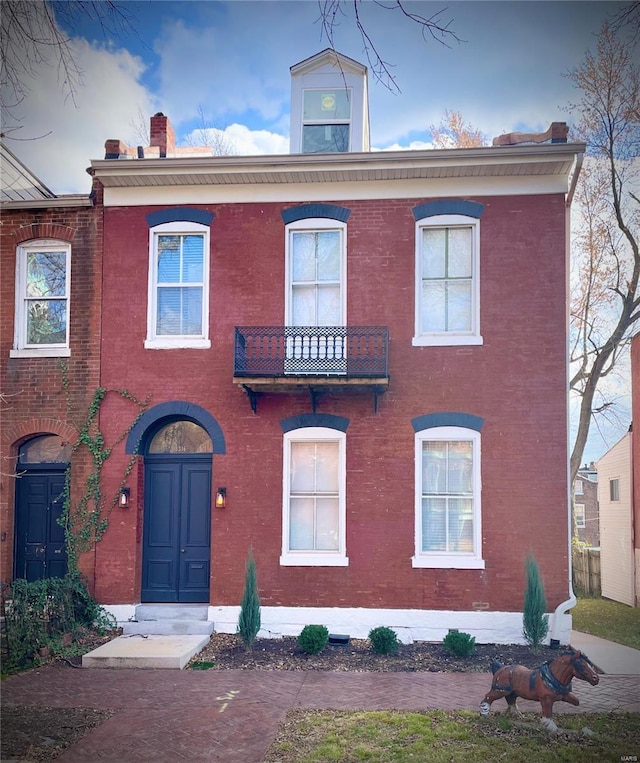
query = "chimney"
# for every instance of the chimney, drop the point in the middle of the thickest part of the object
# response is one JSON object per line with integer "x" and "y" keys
{"x": 162, "y": 134}
{"x": 114, "y": 149}
{"x": 557, "y": 133}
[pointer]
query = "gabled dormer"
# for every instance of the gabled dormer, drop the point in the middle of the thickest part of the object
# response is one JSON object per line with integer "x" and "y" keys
{"x": 329, "y": 105}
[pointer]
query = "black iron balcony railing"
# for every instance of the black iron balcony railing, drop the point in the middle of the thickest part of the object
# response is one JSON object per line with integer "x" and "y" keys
{"x": 355, "y": 352}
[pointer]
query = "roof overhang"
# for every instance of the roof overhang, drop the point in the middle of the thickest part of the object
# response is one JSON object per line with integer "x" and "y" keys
{"x": 556, "y": 159}
{"x": 57, "y": 202}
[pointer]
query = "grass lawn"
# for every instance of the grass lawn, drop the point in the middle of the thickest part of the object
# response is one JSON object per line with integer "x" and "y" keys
{"x": 326, "y": 736}
{"x": 608, "y": 619}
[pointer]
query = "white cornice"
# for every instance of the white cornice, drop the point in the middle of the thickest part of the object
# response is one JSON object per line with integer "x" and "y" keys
{"x": 495, "y": 161}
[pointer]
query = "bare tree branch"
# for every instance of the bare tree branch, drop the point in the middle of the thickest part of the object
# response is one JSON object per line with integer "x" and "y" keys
{"x": 32, "y": 35}
{"x": 606, "y": 263}
{"x": 333, "y": 11}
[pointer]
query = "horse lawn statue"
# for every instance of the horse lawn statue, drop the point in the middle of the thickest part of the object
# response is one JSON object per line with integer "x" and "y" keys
{"x": 549, "y": 683}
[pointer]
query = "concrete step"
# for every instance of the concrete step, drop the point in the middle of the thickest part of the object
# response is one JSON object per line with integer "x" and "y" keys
{"x": 172, "y": 612}
{"x": 168, "y": 627}
{"x": 145, "y": 652}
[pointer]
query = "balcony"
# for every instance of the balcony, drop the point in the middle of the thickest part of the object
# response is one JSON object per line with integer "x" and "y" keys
{"x": 316, "y": 358}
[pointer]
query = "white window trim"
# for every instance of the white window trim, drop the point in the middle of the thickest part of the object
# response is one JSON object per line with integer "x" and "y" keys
{"x": 312, "y": 225}
{"x": 434, "y": 559}
{"x": 342, "y": 121}
{"x": 153, "y": 341}
{"x": 338, "y": 558}
{"x": 579, "y": 487}
{"x": 583, "y": 523}
{"x": 20, "y": 348}
{"x": 612, "y": 481}
{"x": 448, "y": 338}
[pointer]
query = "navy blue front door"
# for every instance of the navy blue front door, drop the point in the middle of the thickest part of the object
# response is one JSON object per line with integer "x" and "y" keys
{"x": 40, "y": 547}
{"x": 177, "y": 528}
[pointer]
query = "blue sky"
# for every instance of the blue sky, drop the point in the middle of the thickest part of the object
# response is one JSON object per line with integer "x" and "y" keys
{"x": 228, "y": 63}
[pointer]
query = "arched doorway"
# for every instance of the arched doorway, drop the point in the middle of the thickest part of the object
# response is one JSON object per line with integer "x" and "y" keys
{"x": 177, "y": 513}
{"x": 40, "y": 550}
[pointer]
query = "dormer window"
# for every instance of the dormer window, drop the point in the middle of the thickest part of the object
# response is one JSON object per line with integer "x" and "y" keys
{"x": 329, "y": 105}
{"x": 326, "y": 121}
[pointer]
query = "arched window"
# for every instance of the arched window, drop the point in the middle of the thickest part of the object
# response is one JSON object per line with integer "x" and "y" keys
{"x": 44, "y": 449}
{"x": 180, "y": 437}
{"x": 448, "y": 501}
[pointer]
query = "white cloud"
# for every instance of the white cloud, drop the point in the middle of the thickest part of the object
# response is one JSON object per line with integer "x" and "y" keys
{"x": 74, "y": 129}
{"x": 240, "y": 140}
{"x": 414, "y": 145}
{"x": 247, "y": 142}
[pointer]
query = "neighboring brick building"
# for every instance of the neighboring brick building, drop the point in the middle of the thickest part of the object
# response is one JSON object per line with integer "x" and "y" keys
{"x": 585, "y": 496}
{"x": 351, "y": 358}
{"x": 50, "y": 281}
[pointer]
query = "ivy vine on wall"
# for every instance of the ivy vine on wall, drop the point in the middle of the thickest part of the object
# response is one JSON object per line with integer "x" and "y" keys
{"x": 85, "y": 521}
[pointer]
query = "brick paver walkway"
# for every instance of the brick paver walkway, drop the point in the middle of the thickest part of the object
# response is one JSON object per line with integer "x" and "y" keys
{"x": 233, "y": 715}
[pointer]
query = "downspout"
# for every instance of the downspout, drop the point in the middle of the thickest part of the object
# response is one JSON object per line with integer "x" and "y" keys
{"x": 562, "y": 609}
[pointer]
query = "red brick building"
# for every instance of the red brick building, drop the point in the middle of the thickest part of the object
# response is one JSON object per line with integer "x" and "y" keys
{"x": 50, "y": 276}
{"x": 586, "y": 514}
{"x": 350, "y": 360}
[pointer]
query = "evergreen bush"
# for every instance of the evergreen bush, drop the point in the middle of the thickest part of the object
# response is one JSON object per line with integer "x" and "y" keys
{"x": 459, "y": 644}
{"x": 313, "y": 638}
{"x": 384, "y": 640}
{"x": 249, "y": 620}
{"x": 535, "y": 623}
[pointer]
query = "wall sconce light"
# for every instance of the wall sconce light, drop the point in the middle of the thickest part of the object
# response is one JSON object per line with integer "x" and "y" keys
{"x": 123, "y": 502}
{"x": 221, "y": 498}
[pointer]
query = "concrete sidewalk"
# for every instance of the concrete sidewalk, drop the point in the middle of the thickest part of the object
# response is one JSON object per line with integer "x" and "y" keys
{"x": 609, "y": 657}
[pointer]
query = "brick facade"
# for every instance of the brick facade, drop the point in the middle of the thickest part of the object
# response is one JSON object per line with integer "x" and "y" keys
{"x": 34, "y": 399}
{"x": 515, "y": 381}
{"x": 590, "y": 533}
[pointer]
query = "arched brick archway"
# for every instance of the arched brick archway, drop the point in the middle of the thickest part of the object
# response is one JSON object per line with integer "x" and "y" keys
{"x": 43, "y": 230}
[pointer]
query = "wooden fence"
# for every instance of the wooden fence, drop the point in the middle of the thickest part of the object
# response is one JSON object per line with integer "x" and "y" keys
{"x": 586, "y": 570}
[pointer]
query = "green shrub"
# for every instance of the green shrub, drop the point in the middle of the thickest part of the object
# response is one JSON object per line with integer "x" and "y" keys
{"x": 313, "y": 638}
{"x": 249, "y": 620}
{"x": 459, "y": 644}
{"x": 535, "y": 623}
{"x": 41, "y": 612}
{"x": 384, "y": 640}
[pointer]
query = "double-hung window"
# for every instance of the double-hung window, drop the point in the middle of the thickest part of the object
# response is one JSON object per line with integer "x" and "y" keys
{"x": 581, "y": 521}
{"x": 43, "y": 277}
{"x": 448, "y": 506}
{"x": 447, "y": 281}
{"x": 326, "y": 121}
{"x": 313, "y": 528}
{"x": 178, "y": 312}
{"x": 315, "y": 297}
